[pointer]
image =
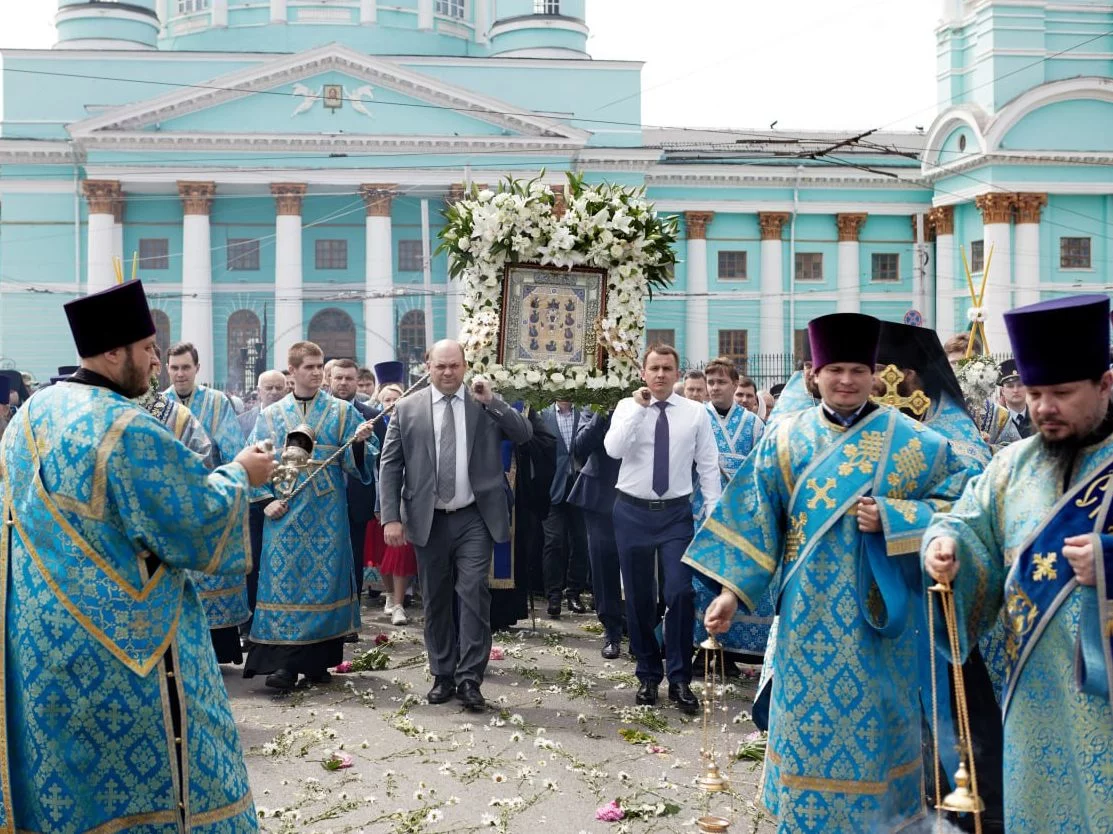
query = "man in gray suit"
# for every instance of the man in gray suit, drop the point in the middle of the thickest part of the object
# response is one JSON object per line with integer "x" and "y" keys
{"x": 442, "y": 487}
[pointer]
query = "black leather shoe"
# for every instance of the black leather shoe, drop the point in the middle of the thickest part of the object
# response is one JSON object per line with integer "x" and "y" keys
{"x": 351, "y": 638}
{"x": 554, "y": 609}
{"x": 320, "y": 678}
{"x": 575, "y": 604}
{"x": 470, "y": 697}
{"x": 682, "y": 695}
{"x": 442, "y": 691}
{"x": 647, "y": 694}
{"x": 611, "y": 651}
{"x": 283, "y": 680}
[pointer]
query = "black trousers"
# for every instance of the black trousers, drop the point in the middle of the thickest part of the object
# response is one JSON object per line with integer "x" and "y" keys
{"x": 564, "y": 556}
{"x": 358, "y": 532}
{"x": 605, "y": 583}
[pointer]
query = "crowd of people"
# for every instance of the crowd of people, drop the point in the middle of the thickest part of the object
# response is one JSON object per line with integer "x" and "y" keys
{"x": 146, "y": 541}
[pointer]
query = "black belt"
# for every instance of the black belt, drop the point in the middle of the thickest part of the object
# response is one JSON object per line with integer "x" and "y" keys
{"x": 657, "y": 504}
{"x": 457, "y": 510}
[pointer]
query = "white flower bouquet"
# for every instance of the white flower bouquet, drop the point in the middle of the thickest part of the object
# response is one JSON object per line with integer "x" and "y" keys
{"x": 604, "y": 226}
{"x": 978, "y": 377}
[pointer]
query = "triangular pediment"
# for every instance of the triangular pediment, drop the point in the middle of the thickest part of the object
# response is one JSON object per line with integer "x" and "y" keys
{"x": 290, "y": 95}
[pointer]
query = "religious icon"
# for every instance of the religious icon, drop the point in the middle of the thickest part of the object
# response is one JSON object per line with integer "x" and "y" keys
{"x": 572, "y": 302}
{"x": 333, "y": 96}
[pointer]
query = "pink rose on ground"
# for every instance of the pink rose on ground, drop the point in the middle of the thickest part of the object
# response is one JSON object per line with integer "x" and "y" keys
{"x": 338, "y": 761}
{"x": 380, "y": 639}
{"x": 497, "y": 653}
{"x": 346, "y": 666}
{"x": 656, "y": 748}
{"x": 611, "y": 812}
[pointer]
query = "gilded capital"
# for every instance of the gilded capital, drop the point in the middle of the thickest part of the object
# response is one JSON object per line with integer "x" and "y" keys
{"x": 101, "y": 195}
{"x": 560, "y": 206}
{"x": 943, "y": 220}
{"x": 378, "y": 198}
{"x": 850, "y": 225}
{"x": 197, "y": 197}
{"x": 772, "y": 223}
{"x": 1029, "y": 206}
{"x": 929, "y": 228}
{"x": 696, "y": 222}
{"x": 456, "y": 192}
{"x": 287, "y": 197}
{"x": 996, "y": 207}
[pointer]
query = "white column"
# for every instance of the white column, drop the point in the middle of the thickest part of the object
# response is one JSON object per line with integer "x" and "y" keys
{"x": 162, "y": 9}
{"x": 849, "y": 275}
{"x": 288, "y": 325}
{"x": 427, "y": 271}
{"x": 278, "y": 15}
{"x": 454, "y": 305}
{"x": 368, "y": 11}
{"x": 772, "y": 283}
{"x": 197, "y": 273}
{"x": 424, "y": 14}
{"x": 697, "y": 320}
{"x": 482, "y": 20}
{"x": 220, "y": 13}
{"x": 1027, "y": 258}
{"x": 101, "y": 196}
{"x": 378, "y": 307}
{"x": 997, "y": 211}
{"x": 118, "y": 235}
{"x": 943, "y": 219}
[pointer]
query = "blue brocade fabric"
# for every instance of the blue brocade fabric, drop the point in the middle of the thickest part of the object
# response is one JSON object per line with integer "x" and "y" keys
{"x": 94, "y": 486}
{"x": 1058, "y": 740}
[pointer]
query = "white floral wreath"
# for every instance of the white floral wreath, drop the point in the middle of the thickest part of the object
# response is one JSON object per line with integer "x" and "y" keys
{"x": 978, "y": 377}
{"x": 604, "y": 226}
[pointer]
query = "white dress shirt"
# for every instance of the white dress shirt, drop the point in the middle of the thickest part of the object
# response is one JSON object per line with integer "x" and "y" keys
{"x": 464, "y": 495}
{"x": 631, "y": 438}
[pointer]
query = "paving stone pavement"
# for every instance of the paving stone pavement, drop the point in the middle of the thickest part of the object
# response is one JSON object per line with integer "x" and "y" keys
{"x": 544, "y": 756}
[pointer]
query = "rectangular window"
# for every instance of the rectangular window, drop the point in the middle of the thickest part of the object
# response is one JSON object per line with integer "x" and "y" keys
{"x": 732, "y": 343}
{"x": 809, "y": 266}
{"x": 191, "y": 6}
{"x": 243, "y": 254}
{"x": 977, "y": 255}
{"x": 660, "y": 337}
{"x": 1074, "y": 253}
{"x": 886, "y": 266}
{"x": 410, "y": 256}
{"x": 332, "y": 254}
{"x": 546, "y": 6}
{"x": 732, "y": 265}
{"x": 154, "y": 253}
{"x": 450, "y": 8}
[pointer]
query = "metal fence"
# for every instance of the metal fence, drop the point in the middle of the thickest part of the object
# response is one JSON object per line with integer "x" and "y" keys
{"x": 766, "y": 369}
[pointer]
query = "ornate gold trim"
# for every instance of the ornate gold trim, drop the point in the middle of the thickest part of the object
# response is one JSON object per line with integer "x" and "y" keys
{"x": 697, "y": 223}
{"x": 5, "y": 544}
{"x": 94, "y": 508}
{"x": 729, "y": 585}
{"x": 289, "y": 606}
{"x": 218, "y": 552}
{"x": 851, "y": 786}
{"x": 772, "y": 224}
{"x": 197, "y": 197}
{"x": 288, "y": 197}
{"x": 101, "y": 195}
{"x": 720, "y": 530}
{"x": 378, "y": 198}
{"x": 850, "y": 226}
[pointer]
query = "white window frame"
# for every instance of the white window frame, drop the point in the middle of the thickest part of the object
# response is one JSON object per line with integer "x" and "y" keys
{"x": 811, "y": 277}
{"x": 193, "y": 6}
{"x": 875, "y": 273}
{"x": 546, "y": 6}
{"x": 452, "y": 9}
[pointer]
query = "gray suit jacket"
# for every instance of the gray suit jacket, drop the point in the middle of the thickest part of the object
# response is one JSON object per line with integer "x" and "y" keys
{"x": 408, "y": 468}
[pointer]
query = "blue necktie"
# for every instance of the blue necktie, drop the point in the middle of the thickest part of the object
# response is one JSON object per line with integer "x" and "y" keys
{"x": 661, "y": 451}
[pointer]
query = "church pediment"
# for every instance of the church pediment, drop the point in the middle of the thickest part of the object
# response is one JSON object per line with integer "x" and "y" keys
{"x": 331, "y": 89}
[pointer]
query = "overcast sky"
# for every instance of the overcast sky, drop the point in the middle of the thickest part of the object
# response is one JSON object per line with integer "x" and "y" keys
{"x": 731, "y": 63}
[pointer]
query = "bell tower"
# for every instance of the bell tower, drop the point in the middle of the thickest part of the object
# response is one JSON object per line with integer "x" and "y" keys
{"x": 539, "y": 29}
{"x": 106, "y": 24}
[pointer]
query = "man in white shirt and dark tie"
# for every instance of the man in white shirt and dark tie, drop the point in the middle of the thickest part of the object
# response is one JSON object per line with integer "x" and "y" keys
{"x": 658, "y": 436}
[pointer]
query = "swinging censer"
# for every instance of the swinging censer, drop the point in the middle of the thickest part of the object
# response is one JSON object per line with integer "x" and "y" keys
{"x": 712, "y": 781}
{"x": 964, "y": 799}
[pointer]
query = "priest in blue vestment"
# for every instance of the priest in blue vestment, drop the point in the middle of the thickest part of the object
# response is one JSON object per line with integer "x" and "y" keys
{"x": 834, "y": 501}
{"x": 1028, "y": 550}
{"x": 307, "y": 600}
{"x": 116, "y": 717}
{"x": 224, "y": 597}
{"x": 176, "y": 417}
{"x": 736, "y": 431}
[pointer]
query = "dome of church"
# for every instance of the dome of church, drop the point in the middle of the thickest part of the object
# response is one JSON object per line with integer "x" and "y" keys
{"x": 471, "y": 28}
{"x": 107, "y": 24}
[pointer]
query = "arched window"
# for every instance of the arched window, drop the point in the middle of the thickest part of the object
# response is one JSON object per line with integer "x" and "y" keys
{"x": 162, "y": 339}
{"x": 243, "y": 348}
{"x": 335, "y": 332}
{"x": 411, "y": 337}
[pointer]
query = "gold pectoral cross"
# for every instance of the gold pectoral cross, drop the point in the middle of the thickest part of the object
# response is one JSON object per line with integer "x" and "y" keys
{"x": 918, "y": 402}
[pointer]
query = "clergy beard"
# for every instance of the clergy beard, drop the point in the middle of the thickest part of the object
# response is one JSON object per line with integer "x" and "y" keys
{"x": 133, "y": 380}
{"x": 1062, "y": 452}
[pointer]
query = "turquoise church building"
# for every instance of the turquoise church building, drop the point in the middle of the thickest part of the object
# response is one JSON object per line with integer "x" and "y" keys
{"x": 275, "y": 170}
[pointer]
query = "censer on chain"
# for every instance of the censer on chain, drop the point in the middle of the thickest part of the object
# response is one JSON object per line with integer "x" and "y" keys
{"x": 296, "y": 458}
{"x": 964, "y": 799}
{"x": 712, "y": 781}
